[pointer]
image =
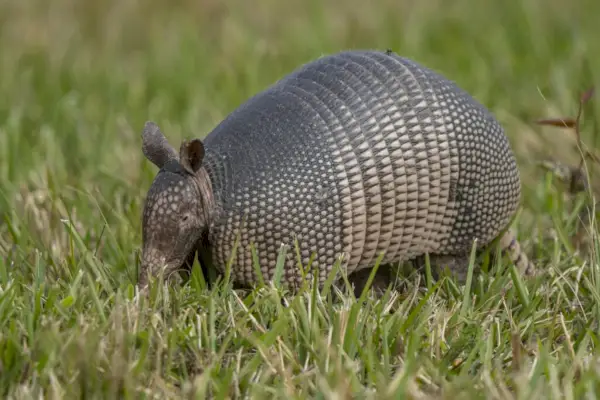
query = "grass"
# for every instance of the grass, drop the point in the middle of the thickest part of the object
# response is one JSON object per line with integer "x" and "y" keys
{"x": 78, "y": 81}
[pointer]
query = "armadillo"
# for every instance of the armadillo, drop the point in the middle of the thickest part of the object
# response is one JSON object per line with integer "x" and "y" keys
{"x": 353, "y": 156}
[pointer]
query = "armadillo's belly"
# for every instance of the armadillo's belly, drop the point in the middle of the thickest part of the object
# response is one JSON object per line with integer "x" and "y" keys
{"x": 357, "y": 154}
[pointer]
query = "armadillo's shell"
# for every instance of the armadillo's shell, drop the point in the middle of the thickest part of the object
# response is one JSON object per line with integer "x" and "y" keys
{"x": 358, "y": 153}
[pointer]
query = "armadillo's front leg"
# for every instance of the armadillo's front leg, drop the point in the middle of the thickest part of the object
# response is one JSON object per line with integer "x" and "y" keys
{"x": 185, "y": 272}
{"x": 456, "y": 265}
{"x": 382, "y": 280}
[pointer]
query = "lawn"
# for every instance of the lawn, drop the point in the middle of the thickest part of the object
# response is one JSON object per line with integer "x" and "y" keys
{"x": 79, "y": 79}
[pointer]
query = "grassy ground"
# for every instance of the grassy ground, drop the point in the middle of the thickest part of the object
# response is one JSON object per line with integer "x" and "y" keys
{"x": 79, "y": 79}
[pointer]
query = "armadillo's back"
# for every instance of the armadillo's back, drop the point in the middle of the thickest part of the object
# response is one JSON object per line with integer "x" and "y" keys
{"x": 358, "y": 153}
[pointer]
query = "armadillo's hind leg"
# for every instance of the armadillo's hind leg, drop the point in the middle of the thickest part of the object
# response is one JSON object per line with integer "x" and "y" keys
{"x": 458, "y": 264}
{"x": 509, "y": 245}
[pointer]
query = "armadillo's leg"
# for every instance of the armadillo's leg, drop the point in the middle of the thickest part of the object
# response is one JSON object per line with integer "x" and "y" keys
{"x": 381, "y": 281}
{"x": 510, "y": 246}
{"x": 186, "y": 269}
{"x": 458, "y": 265}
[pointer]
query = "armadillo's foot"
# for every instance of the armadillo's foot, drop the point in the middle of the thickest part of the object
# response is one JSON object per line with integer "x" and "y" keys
{"x": 509, "y": 245}
{"x": 381, "y": 281}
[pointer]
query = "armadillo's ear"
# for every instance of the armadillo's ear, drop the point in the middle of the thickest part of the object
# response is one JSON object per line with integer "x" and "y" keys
{"x": 191, "y": 154}
{"x": 155, "y": 146}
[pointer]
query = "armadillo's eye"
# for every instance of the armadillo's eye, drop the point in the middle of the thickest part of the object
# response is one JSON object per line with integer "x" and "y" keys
{"x": 185, "y": 218}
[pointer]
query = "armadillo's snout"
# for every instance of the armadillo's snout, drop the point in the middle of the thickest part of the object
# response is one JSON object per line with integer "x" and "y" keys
{"x": 153, "y": 262}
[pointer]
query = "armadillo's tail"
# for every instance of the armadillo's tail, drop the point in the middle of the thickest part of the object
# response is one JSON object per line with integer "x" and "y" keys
{"x": 510, "y": 246}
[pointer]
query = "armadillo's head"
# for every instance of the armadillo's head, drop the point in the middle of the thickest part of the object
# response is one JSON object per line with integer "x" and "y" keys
{"x": 177, "y": 209}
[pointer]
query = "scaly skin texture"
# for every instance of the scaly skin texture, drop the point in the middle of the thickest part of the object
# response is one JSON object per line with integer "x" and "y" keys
{"x": 177, "y": 209}
{"x": 352, "y": 155}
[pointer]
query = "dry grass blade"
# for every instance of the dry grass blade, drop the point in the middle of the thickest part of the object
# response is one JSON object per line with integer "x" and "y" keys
{"x": 568, "y": 123}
